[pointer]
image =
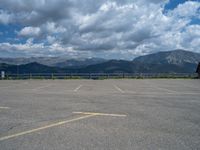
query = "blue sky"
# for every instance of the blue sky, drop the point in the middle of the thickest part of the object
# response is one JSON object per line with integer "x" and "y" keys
{"x": 174, "y": 3}
{"x": 121, "y": 29}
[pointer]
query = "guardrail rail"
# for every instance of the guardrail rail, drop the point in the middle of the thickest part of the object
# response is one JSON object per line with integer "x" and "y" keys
{"x": 97, "y": 75}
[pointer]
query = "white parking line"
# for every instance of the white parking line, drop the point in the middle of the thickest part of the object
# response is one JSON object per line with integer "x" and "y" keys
{"x": 119, "y": 89}
{"x": 76, "y": 89}
{"x": 15, "y": 85}
{"x": 153, "y": 94}
{"x": 100, "y": 114}
{"x": 170, "y": 91}
{"x": 4, "y": 107}
{"x": 153, "y": 85}
{"x": 42, "y": 87}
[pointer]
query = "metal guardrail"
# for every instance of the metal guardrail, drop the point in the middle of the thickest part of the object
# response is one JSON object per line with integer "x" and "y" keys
{"x": 97, "y": 75}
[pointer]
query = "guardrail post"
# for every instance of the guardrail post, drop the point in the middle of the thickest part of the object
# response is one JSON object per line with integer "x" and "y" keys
{"x": 2, "y": 75}
{"x": 52, "y": 76}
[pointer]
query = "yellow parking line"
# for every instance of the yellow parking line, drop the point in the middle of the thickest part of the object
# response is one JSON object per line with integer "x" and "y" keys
{"x": 100, "y": 114}
{"x": 44, "y": 127}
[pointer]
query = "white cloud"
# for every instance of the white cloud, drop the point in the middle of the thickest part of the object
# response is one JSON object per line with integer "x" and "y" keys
{"x": 51, "y": 39}
{"x": 187, "y": 9}
{"x": 51, "y": 27}
{"x": 5, "y": 18}
{"x": 30, "y": 49}
{"x": 30, "y": 31}
{"x": 102, "y": 27}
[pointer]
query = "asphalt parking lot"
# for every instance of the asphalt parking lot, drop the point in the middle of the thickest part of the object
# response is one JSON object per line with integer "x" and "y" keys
{"x": 162, "y": 114}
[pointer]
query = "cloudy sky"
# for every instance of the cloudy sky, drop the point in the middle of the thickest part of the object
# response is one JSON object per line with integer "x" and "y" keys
{"x": 121, "y": 29}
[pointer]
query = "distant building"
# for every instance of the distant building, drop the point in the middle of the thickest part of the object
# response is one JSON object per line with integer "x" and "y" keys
{"x": 198, "y": 70}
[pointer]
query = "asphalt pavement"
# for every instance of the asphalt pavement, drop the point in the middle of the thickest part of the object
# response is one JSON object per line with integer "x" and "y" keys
{"x": 121, "y": 114}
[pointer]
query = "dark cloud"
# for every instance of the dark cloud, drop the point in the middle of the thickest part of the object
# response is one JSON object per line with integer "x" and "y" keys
{"x": 36, "y": 13}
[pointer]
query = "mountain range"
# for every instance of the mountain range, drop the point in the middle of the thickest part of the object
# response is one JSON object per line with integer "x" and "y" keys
{"x": 53, "y": 61}
{"x": 176, "y": 61}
